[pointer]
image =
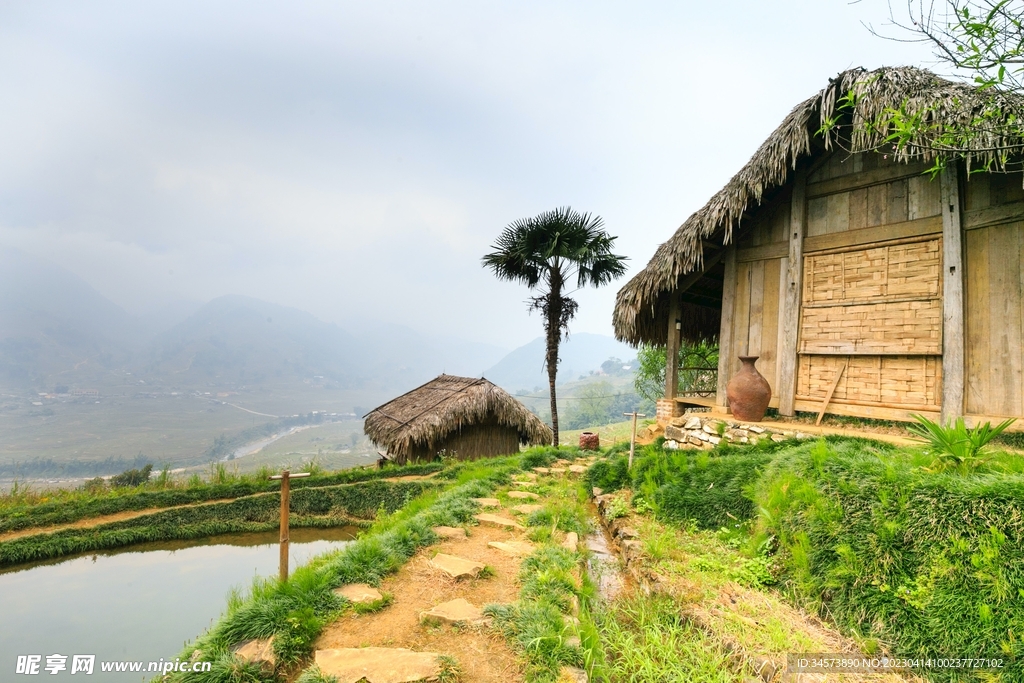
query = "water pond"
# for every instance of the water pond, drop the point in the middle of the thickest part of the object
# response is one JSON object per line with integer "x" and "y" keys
{"x": 140, "y": 603}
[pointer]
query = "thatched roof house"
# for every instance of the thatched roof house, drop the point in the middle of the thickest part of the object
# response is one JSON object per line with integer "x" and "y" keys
{"x": 464, "y": 417}
{"x": 841, "y": 265}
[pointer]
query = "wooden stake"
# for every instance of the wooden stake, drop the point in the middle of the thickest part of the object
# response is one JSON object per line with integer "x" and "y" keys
{"x": 632, "y": 439}
{"x": 831, "y": 390}
{"x": 285, "y": 478}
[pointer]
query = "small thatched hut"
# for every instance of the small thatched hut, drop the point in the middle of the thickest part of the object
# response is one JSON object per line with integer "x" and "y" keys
{"x": 463, "y": 417}
{"x": 865, "y": 284}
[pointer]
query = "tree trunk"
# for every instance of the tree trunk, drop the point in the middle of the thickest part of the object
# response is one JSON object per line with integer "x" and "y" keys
{"x": 553, "y": 326}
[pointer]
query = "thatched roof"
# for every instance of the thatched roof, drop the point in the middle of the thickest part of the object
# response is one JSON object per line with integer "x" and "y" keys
{"x": 641, "y": 308}
{"x": 430, "y": 413}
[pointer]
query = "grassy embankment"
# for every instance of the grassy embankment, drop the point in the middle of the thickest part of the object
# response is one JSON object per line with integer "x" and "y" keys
{"x": 922, "y": 562}
{"x": 28, "y": 508}
{"x": 295, "y": 612}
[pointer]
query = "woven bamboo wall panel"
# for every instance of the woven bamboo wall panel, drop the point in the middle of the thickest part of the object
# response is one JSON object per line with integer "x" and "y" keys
{"x": 911, "y": 381}
{"x": 897, "y": 328}
{"x": 894, "y": 271}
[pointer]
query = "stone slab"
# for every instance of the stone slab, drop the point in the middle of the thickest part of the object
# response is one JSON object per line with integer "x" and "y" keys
{"x": 498, "y": 521}
{"x": 570, "y": 674}
{"x": 523, "y": 495}
{"x": 258, "y": 651}
{"x": 378, "y": 664}
{"x": 541, "y": 470}
{"x": 577, "y": 469}
{"x": 487, "y": 502}
{"x": 526, "y": 484}
{"x": 359, "y": 593}
{"x": 456, "y": 567}
{"x": 527, "y": 509}
{"x": 528, "y": 475}
{"x": 571, "y": 540}
{"x": 452, "y": 533}
{"x": 457, "y": 611}
{"x": 514, "y": 548}
{"x": 556, "y": 470}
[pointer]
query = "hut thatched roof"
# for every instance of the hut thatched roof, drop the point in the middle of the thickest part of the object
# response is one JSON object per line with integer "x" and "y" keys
{"x": 641, "y": 307}
{"x": 431, "y": 412}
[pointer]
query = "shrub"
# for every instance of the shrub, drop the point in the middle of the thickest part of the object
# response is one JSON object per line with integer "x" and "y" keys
{"x": 954, "y": 445}
{"x": 132, "y": 477}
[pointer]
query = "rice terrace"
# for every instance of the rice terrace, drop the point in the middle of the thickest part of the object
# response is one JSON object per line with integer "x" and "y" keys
{"x": 783, "y": 441}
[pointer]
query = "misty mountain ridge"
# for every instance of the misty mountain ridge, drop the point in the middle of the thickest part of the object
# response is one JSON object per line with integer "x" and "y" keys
{"x": 583, "y": 352}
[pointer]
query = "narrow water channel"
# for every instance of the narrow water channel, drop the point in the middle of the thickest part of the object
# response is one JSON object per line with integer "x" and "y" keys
{"x": 141, "y": 603}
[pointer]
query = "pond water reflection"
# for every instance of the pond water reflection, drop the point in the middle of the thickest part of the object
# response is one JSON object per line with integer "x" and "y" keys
{"x": 140, "y": 603}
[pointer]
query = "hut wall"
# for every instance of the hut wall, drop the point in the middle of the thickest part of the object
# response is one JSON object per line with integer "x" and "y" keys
{"x": 872, "y": 288}
{"x": 994, "y": 295}
{"x": 472, "y": 442}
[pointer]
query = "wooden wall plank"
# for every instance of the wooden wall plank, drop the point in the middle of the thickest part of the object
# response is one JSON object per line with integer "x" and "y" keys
{"x": 725, "y": 336}
{"x": 792, "y": 295}
{"x": 1004, "y": 326}
{"x": 952, "y": 296}
{"x": 837, "y": 208}
{"x": 769, "y": 346}
{"x": 883, "y": 173}
{"x": 978, "y": 367}
{"x": 740, "y": 316}
{"x": 896, "y": 201}
{"x": 923, "y": 198}
{"x": 756, "y": 309}
{"x": 817, "y": 216}
{"x": 858, "y": 209}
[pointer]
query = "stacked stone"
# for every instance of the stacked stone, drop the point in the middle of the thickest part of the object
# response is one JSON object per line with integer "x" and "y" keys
{"x": 694, "y": 431}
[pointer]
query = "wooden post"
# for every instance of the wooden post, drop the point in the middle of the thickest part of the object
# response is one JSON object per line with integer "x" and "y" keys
{"x": 952, "y": 296}
{"x": 792, "y": 296}
{"x": 285, "y": 478}
{"x": 725, "y": 345}
{"x": 672, "y": 347}
{"x": 632, "y": 439}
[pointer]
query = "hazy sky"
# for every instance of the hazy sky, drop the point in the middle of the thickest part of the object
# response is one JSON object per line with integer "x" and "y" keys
{"x": 357, "y": 159}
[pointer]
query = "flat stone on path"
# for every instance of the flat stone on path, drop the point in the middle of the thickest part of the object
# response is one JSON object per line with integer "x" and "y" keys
{"x": 523, "y": 495}
{"x": 570, "y": 674}
{"x": 259, "y": 651}
{"x": 456, "y": 567}
{"x": 556, "y": 470}
{"x": 513, "y": 548}
{"x": 457, "y": 611}
{"x": 541, "y": 470}
{"x": 571, "y": 540}
{"x": 527, "y": 484}
{"x": 378, "y": 664}
{"x": 359, "y": 593}
{"x": 527, "y": 475}
{"x": 527, "y": 509}
{"x": 577, "y": 469}
{"x": 498, "y": 521}
{"x": 452, "y": 533}
{"x": 488, "y": 502}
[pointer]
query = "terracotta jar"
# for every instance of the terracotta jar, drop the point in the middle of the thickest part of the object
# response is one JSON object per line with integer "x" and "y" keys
{"x": 589, "y": 441}
{"x": 748, "y": 392}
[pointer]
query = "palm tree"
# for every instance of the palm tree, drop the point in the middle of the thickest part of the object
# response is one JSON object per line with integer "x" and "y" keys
{"x": 546, "y": 252}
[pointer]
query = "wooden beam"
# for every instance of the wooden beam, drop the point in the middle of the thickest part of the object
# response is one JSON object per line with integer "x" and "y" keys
{"x": 952, "y": 295}
{"x": 831, "y": 390}
{"x": 672, "y": 346}
{"x": 790, "y": 313}
{"x": 855, "y": 181}
{"x": 993, "y": 215}
{"x": 725, "y": 342}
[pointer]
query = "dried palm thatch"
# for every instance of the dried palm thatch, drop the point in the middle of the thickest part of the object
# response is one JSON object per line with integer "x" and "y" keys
{"x": 854, "y": 101}
{"x": 471, "y": 417}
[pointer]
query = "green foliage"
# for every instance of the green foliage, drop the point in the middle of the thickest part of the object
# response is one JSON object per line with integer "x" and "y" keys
{"x": 134, "y": 477}
{"x": 617, "y": 507}
{"x": 954, "y": 445}
{"x": 609, "y": 474}
{"x": 698, "y": 369}
{"x": 314, "y": 675}
{"x": 321, "y": 506}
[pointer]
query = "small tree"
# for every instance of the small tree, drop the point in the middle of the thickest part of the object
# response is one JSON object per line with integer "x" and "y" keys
{"x": 547, "y": 252}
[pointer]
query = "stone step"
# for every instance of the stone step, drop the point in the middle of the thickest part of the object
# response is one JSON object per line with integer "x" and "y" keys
{"x": 577, "y": 469}
{"x": 258, "y": 651}
{"x": 527, "y": 509}
{"x": 457, "y": 611}
{"x": 456, "y": 567}
{"x": 571, "y": 541}
{"x": 514, "y": 548}
{"x": 378, "y": 664}
{"x": 359, "y": 593}
{"x": 498, "y": 521}
{"x": 488, "y": 502}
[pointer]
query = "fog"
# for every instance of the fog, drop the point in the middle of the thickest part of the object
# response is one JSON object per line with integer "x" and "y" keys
{"x": 355, "y": 160}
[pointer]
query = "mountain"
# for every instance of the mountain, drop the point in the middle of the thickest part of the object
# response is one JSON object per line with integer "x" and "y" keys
{"x": 55, "y": 328}
{"x": 523, "y": 368}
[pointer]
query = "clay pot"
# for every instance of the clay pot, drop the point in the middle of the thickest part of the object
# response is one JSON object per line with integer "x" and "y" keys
{"x": 589, "y": 441}
{"x": 748, "y": 392}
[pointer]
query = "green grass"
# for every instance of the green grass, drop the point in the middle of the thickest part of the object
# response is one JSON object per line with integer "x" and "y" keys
{"x": 23, "y": 509}
{"x": 311, "y": 506}
{"x": 647, "y": 640}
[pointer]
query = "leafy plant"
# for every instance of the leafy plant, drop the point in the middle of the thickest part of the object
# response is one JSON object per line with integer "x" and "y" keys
{"x": 955, "y": 445}
{"x": 132, "y": 477}
{"x": 617, "y": 507}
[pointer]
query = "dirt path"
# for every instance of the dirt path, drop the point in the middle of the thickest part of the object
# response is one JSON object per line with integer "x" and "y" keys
{"x": 481, "y": 652}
